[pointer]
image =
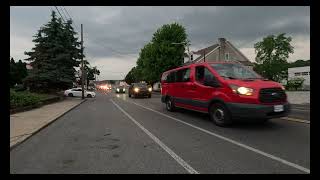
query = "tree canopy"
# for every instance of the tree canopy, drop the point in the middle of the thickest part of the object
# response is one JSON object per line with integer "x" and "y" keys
{"x": 54, "y": 57}
{"x": 272, "y": 54}
{"x": 18, "y": 72}
{"x": 160, "y": 54}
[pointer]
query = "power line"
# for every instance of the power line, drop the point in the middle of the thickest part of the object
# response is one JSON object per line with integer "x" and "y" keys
{"x": 59, "y": 13}
{"x": 64, "y": 13}
{"x": 67, "y": 12}
{"x": 70, "y": 17}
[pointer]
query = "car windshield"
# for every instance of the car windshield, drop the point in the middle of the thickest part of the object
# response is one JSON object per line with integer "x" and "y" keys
{"x": 141, "y": 85}
{"x": 235, "y": 71}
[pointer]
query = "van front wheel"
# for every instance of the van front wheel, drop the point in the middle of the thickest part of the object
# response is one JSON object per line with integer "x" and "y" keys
{"x": 219, "y": 114}
{"x": 170, "y": 105}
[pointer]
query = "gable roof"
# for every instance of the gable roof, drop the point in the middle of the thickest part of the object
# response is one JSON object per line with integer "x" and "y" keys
{"x": 206, "y": 50}
{"x": 212, "y": 48}
{"x": 238, "y": 51}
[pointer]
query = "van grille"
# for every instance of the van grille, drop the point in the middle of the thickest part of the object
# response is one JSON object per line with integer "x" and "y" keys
{"x": 270, "y": 95}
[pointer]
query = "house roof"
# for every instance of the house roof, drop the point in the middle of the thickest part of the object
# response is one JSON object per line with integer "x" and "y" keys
{"x": 246, "y": 63}
{"x": 205, "y": 50}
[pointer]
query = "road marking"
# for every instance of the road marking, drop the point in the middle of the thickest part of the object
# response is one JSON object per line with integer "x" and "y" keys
{"x": 161, "y": 144}
{"x": 303, "y": 110}
{"x": 233, "y": 141}
{"x": 295, "y": 120}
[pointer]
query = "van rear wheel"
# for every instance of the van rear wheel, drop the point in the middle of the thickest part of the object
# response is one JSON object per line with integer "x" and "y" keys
{"x": 220, "y": 115}
{"x": 170, "y": 105}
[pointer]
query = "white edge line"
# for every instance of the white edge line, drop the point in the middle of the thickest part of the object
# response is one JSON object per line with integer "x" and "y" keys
{"x": 295, "y": 120}
{"x": 233, "y": 142}
{"x": 161, "y": 144}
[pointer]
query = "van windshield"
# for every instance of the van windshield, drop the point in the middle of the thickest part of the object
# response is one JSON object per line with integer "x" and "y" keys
{"x": 235, "y": 71}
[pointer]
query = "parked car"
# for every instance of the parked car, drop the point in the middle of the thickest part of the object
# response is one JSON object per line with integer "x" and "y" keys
{"x": 227, "y": 91}
{"x": 157, "y": 87}
{"x": 77, "y": 92}
{"x": 120, "y": 89}
{"x": 139, "y": 89}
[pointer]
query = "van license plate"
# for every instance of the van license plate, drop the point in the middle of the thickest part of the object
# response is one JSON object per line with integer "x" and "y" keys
{"x": 278, "y": 108}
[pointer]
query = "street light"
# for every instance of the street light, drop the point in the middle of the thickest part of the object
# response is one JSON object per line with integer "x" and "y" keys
{"x": 185, "y": 43}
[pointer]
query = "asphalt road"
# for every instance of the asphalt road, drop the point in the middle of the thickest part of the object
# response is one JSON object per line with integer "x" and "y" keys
{"x": 113, "y": 133}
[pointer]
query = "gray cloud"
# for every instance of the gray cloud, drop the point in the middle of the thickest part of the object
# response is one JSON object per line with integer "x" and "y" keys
{"x": 121, "y": 32}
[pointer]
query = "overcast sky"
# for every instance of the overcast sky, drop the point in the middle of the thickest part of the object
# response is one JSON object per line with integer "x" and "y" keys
{"x": 113, "y": 36}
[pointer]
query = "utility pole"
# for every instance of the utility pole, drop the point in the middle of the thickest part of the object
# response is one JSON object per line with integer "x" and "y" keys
{"x": 82, "y": 69}
{"x": 204, "y": 55}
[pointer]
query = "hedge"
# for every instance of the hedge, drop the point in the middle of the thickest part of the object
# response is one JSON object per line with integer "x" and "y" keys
{"x": 25, "y": 98}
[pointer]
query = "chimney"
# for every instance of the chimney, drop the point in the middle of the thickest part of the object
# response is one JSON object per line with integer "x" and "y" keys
{"x": 222, "y": 43}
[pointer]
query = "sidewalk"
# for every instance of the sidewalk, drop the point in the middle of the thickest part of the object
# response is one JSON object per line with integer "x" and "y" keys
{"x": 299, "y": 97}
{"x": 25, "y": 124}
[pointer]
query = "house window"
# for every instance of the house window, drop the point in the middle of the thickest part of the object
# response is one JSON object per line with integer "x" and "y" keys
{"x": 227, "y": 56}
{"x": 297, "y": 74}
{"x": 305, "y": 73}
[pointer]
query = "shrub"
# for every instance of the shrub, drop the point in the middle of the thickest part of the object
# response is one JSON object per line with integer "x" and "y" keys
{"x": 294, "y": 83}
{"x": 24, "y": 98}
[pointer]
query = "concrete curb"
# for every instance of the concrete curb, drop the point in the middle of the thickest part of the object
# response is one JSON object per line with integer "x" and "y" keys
{"x": 34, "y": 133}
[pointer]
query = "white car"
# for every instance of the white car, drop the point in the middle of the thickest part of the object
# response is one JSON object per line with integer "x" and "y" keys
{"x": 77, "y": 92}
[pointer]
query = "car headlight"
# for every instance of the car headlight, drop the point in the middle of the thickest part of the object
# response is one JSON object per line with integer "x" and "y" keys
{"x": 136, "y": 89}
{"x": 242, "y": 90}
{"x": 150, "y": 89}
{"x": 118, "y": 89}
{"x": 124, "y": 89}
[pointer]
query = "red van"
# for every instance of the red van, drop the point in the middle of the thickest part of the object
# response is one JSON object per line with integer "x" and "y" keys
{"x": 227, "y": 91}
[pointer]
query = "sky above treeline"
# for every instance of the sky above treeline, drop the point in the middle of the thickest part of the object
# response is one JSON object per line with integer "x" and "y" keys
{"x": 113, "y": 36}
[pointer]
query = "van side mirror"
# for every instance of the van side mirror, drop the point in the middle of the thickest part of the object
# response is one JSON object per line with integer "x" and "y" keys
{"x": 212, "y": 82}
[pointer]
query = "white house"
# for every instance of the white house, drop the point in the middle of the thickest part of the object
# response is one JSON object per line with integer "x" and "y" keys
{"x": 300, "y": 72}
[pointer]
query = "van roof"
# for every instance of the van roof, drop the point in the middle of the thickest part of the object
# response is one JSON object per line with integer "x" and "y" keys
{"x": 202, "y": 63}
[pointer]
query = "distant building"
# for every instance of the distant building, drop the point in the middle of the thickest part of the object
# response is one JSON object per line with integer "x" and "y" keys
{"x": 222, "y": 51}
{"x": 300, "y": 72}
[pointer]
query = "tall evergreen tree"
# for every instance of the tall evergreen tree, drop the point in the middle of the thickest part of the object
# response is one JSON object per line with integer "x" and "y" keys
{"x": 56, "y": 53}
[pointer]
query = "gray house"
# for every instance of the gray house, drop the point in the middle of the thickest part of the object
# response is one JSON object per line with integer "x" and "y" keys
{"x": 222, "y": 51}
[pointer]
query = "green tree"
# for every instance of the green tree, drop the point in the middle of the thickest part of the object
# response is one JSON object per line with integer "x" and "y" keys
{"x": 130, "y": 77}
{"x": 161, "y": 54}
{"x": 272, "y": 54}
{"x": 299, "y": 63}
{"x": 91, "y": 72}
{"x": 56, "y": 53}
{"x": 18, "y": 72}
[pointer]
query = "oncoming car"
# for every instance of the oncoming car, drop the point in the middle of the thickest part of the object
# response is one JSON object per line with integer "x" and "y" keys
{"x": 120, "y": 89}
{"x": 77, "y": 92}
{"x": 227, "y": 91}
{"x": 139, "y": 89}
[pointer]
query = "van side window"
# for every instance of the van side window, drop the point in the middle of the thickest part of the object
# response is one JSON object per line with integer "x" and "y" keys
{"x": 201, "y": 73}
{"x": 171, "y": 77}
{"x": 183, "y": 75}
{"x": 186, "y": 75}
{"x": 164, "y": 77}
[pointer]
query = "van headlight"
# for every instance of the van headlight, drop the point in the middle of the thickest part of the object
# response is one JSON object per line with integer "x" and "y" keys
{"x": 150, "y": 89}
{"x": 118, "y": 89}
{"x": 242, "y": 90}
{"x": 136, "y": 89}
{"x": 124, "y": 89}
